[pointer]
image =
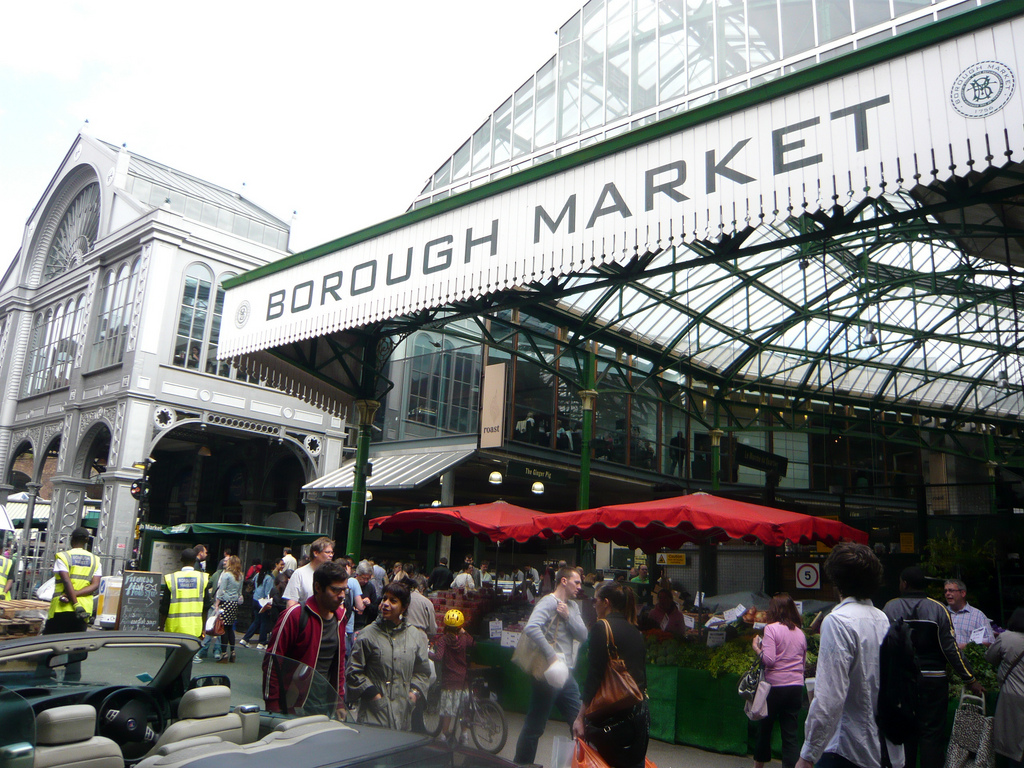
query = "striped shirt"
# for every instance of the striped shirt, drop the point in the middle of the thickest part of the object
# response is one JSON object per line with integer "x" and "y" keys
{"x": 968, "y": 619}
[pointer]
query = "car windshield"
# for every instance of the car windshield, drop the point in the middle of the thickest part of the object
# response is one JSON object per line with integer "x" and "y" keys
{"x": 131, "y": 663}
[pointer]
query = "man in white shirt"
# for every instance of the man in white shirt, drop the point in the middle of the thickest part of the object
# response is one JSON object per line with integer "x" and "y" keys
{"x": 840, "y": 731}
{"x": 289, "y": 560}
{"x": 465, "y": 580}
{"x": 300, "y": 585}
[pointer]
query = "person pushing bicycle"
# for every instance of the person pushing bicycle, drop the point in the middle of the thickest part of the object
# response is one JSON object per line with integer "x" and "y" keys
{"x": 451, "y": 653}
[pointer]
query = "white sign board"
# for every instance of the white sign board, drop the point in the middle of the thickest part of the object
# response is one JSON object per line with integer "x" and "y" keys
{"x": 808, "y": 576}
{"x": 835, "y": 142}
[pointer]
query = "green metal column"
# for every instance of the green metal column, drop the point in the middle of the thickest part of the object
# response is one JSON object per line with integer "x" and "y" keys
{"x": 716, "y": 456}
{"x": 585, "y": 554}
{"x": 366, "y": 409}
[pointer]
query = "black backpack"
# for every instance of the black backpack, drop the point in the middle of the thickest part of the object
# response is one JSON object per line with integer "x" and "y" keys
{"x": 900, "y": 674}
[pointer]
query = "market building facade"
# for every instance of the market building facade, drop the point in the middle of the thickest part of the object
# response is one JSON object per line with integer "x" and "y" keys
{"x": 110, "y": 318}
{"x": 758, "y": 247}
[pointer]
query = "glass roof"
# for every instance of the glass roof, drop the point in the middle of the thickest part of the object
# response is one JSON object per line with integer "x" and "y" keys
{"x": 625, "y": 63}
{"x": 895, "y": 315}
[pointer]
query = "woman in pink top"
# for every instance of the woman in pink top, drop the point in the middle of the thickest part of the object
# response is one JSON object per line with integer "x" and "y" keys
{"x": 783, "y": 650}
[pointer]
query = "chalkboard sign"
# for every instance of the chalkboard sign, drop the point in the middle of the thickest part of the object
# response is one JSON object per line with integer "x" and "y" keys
{"x": 139, "y": 608}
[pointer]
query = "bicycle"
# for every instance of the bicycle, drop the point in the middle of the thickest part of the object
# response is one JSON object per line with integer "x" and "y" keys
{"x": 478, "y": 713}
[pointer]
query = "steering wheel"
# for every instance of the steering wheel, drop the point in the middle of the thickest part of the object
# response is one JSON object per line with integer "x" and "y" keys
{"x": 132, "y": 717}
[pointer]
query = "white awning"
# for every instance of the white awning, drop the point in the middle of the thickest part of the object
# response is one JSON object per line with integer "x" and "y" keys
{"x": 394, "y": 470}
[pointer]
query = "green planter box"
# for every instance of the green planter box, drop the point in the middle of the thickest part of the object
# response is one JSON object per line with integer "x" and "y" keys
{"x": 663, "y": 692}
{"x": 709, "y": 713}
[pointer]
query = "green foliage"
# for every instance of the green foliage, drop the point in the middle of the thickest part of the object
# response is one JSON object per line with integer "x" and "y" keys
{"x": 734, "y": 657}
{"x": 950, "y": 557}
{"x": 985, "y": 672}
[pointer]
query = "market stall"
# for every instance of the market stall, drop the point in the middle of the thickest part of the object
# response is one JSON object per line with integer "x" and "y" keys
{"x": 692, "y": 679}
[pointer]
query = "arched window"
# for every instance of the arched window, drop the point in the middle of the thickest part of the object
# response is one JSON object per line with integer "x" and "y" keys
{"x": 52, "y": 347}
{"x": 115, "y": 314}
{"x": 198, "y": 335}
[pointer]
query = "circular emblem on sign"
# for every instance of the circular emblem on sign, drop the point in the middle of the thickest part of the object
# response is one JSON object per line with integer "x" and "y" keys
{"x": 242, "y": 314}
{"x": 982, "y": 89}
{"x": 164, "y": 417}
{"x": 808, "y": 575}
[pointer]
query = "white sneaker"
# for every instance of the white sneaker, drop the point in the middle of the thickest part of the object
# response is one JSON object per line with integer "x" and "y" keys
{"x": 243, "y": 643}
{"x": 261, "y": 647}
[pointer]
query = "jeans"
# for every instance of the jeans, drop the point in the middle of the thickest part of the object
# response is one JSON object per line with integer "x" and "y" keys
{"x": 207, "y": 645}
{"x": 261, "y": 624}
{"x": 932, "y": 704}
{"x": 542, "y": 698}
{"x": 784, "y": 704}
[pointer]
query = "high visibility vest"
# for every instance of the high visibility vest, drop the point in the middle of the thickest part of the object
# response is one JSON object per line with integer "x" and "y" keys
{"x": 185, "y": 613}
{"x": 81, "y": 565}
{"x": 5, "y": 575}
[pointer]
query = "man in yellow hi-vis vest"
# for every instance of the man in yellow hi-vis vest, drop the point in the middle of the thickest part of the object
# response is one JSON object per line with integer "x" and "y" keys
{"x": 6, "y": 582}
{"x": 183, "y": 597}
{"x": 77, "y": 576}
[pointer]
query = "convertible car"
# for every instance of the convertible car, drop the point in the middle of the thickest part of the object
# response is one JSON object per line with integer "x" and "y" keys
{"x": 119, "y": 700}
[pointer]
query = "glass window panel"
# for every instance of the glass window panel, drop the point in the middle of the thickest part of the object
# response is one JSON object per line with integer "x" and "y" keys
{"x": 502, "y": 139}
{"x": 443, "y": 175}
{"x": 798, "y": 29}
{"x": 158, "y": 195}
{"x": 460, "y": 161}
{"x": 700, "y": 44}
{"x": 867, "y": 13}
{"x": 255, "y": 231}
{"x": 544, "y": 132}
{"x": 177, "y": 201}
{"x": 114, "y": 318}
{"x": 225, "y": 219}
{"x": 645, "y": 56}
{"x": 592, "y": 97}
{"x": 570, "y": 31}
{"x": 522, "y": 133}
{"x": 833, "y": 20}
{"x": 240, "y": 226}
{"x": 618, "y": 60}
{"x": 282, "y": 240}
{"x": 210, "y": 212}
{"x": 672, "y": 49}
{"x": 732, "y": 43}
{"x": 270, "y": 236}
{"x": 482, "y": 147}
{"x": 141, "y": 190}
{"x": 194, "y": 208}
{"x": 569, "y": 90}
{"x": 763, "y": 25}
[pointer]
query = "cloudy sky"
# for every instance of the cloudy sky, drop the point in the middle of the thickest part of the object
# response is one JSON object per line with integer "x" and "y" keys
{"x": 338, "y": 110}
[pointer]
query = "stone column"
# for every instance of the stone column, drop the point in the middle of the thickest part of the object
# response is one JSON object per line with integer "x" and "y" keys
{"x": 66, "y": 510}
{"x": 118, "y": 515}
{"x": 253, "y": 513}
{"x": 5, "y": 491}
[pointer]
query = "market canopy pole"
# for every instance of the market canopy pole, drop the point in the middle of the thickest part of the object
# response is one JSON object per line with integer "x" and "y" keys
{"x": 366, "y": 409}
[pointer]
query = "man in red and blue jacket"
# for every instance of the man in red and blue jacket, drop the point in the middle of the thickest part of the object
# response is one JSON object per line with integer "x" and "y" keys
{"x": 305, "y": 662}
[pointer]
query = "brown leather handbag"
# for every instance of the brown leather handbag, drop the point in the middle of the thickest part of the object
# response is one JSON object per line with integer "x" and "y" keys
{"x": 618, "y": 690}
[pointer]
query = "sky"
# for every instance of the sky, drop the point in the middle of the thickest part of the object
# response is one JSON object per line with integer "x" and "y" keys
{"x": 337, "y": 111}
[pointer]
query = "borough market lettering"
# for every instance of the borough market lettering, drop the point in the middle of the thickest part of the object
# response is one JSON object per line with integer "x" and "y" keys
{"x": 790, "y": 150}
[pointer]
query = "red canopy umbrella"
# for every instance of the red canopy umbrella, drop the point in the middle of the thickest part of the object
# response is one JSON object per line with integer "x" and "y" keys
{"x": 698, "y": 518}
{"x": 489, "y": 522}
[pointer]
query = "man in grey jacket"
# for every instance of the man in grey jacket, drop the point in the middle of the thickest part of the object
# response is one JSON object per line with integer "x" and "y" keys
{"x": 556, "y": 615}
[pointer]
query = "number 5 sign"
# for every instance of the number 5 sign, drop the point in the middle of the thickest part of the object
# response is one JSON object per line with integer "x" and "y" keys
{"x": 808, "y": 576}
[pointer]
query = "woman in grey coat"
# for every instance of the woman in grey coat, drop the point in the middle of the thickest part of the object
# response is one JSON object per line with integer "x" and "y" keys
{"x": 1007, "y": 655}
{"x": 389, "y": 670}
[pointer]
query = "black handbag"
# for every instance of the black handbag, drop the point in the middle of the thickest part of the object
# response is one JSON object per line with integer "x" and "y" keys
{"x": 751, "y": 679}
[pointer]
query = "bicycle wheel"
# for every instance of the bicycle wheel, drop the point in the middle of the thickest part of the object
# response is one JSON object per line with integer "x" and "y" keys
{"x": 488, "y": 726}
{"x": 432, "y": 712}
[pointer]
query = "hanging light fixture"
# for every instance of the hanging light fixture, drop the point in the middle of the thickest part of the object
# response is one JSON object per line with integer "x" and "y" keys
{"x": 495, "y": 478}
{"x": 1002, "y": 380}
{"x": 538, "y": 487}
{"x": 369, "y": 495}
{"x": 204, "y": 450}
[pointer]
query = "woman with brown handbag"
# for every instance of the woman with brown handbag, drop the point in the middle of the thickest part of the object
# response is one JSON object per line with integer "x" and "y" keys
{"x": 612, "y": 720}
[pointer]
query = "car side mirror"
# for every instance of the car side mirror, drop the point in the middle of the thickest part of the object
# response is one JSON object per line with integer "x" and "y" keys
{"x": 204, "y": 680}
